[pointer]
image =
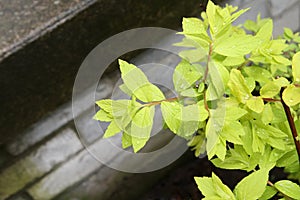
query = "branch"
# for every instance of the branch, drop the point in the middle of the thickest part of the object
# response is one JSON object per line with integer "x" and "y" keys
{"x": 291, "y": 123}
{"x": 153, "y": 103}
{"x": 271, "y": 100}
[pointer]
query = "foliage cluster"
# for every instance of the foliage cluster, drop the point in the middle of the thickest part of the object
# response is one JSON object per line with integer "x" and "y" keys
{"x": 243, "y": 108}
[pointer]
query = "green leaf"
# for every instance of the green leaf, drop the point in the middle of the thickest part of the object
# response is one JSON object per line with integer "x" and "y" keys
{"x": 137, "y": 82}
{"x": 233, "y": 61}
{"x": 235, "y": 46}
{"x": 237, "y": 158}
{"x": 266, "y": 31}
{"x": 141, "y": 127}
{"x": 269, "y": 90}
{"x": 238, "y": 86}
{"x": 256, "y": 104}
{"x": 193, "y": 26}
{"x": 288, "y": 33}
{"x": 234, "y": 113}
{"x": 291, "y": 95}
{"x": 101, "y": 115}
{"x": 148, "y": 93}
{"x": 218, "y": 79}
{"x": 268, "y": 193}
{"x": 213, "y": 188}
{"x": 288, "y": 188}
{"x": 125, "y": 89}
{"x": 191, "y": 92}
{"x": 193, "y": 55}
{"x": 232, "y": 132}
{"x": 296, "y": 67}
{"x": 253, "y": 186}
{"x": 169, "y": 110}
{"x": 260, "y": 74}
{"x": 126, "y": 140}
{"x": 111, "y": 130}
{"x": 105, "y": 104}
{"x": 185, "y": 75}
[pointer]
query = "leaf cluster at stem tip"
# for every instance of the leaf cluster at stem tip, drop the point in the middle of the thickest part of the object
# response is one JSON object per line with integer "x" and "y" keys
{"x": 238, "y": 101}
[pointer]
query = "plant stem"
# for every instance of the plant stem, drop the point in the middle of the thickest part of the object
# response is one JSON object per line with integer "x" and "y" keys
{"x": 207, "y": 64}
{"x": 291, "y": 123}
{"x": 153, "y": 103}
{"x": 271, "y": 100}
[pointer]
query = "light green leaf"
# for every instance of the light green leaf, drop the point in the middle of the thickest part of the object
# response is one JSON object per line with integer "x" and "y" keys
{"x": 234, "y": 113}
{"x": 233, "y": 61}
{"x": 232, "y": 132}
{"x": 291, "y": 95}
{"x": 235, "y": 46}
{"x": 256, "y": 104}
{"x": 213, "y": 188}
{"x": 260, "y": 74}
{"x": 137, "y": 82}
{"x": 125, "y": 89}
{"x": 105, "y": 104}
{"x": 185, "y": 75}
{"x": 148, "y": 93}
{"x": 268, "y": 193}
{"x": 218, "y": 79}
{"x": 253, "y": 186}
{"x": 266, "y": 31}
{"x": 281, "y": 60}
{"x": 296, "y": 67}
{"x": 270, "y": 90}
{"x": 238, "y": 86}
{"x": 288, "y": 188}
{"x": 101, "y": 115}
{"x": 111, "y": 130}
{"x": 237, "y": 158}
{"x": 191, "y": 92}
{"x": 193, "y": 55}
{"x": 126, "y": 140}
{"x": 193, "y": 26}
{"x": 267, "y": 114}
{"x": 250, "y": 83}
{"x": 141, "y": 127}
{"x": 169, "y": 110}
{"x": 288, "y": 33}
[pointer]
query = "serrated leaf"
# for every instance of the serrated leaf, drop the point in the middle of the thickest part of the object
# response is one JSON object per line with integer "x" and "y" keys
{"x": 270, "y": 90}
{"x": 125, "y": 89}
{"x": 288, "y": 188}
{"x": 253, "y": 186}
{"x": 291, "y": 95}
{"x": 268, "y": 193}
{"x": 296, "y": 67}
{"x": 237, "y": 158}
{"x": 213, "y": 188}
{"x": 101, "y": 115}
{"x": 235, "y": 46}
{"x": 169, "y": 110}
{"x": 148, "y": 93}
{"x": 218, "y": 78}
{"x": 233, "y": 61}
{"x": 238, "y": 86}
{"x": 141, "y": 127}
{"x": 126, "y": 140}
{"x": 266, "y": 31}
{"x": 111, "y": 130}
{"x": 232, "y": 131}
{"x": 185, "y": 75}
{"x": 191, "y": 92}
{"x": 260, "y": 74}
{"x": 137, "y": 82}
{"x": 105, "y": 104}
{"x": 193, "y": 26}
{"x": 256, "y": 104}
{"x": 234, "y": 113}
{"x": 193, "y": 55}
